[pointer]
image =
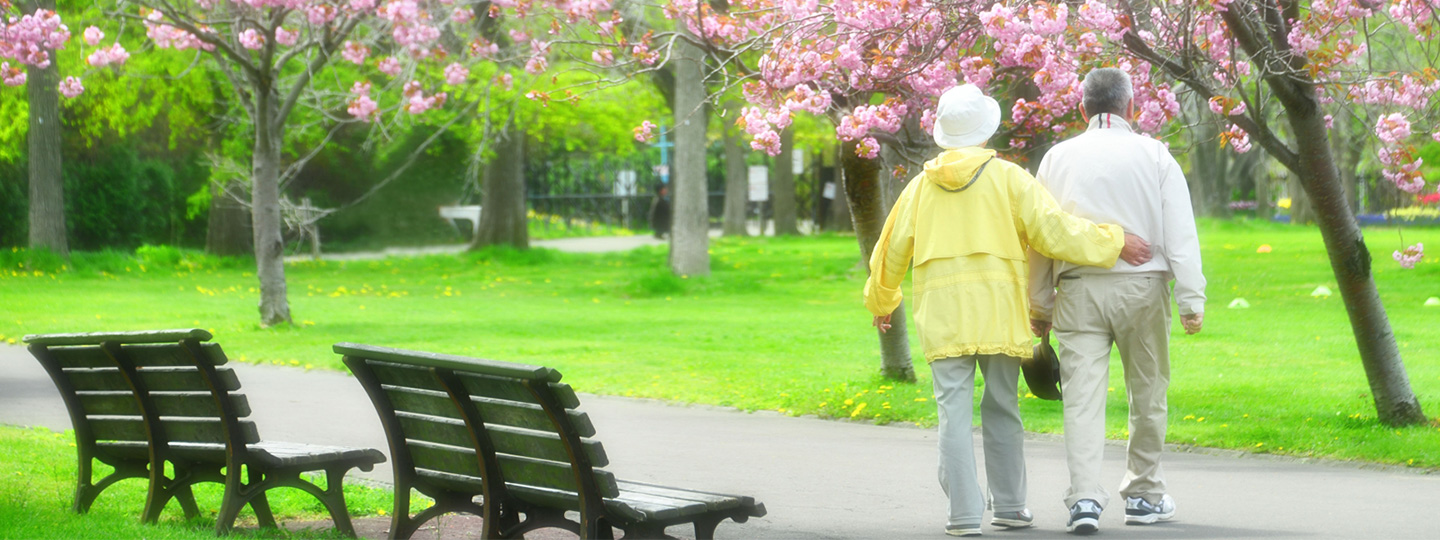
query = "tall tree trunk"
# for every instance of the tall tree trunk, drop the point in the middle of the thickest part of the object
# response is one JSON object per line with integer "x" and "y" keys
{"x": 265, "y": 208}
{"x": 228, "y": 231}
{"x": 689, "y": 237}
{"x": 839, "y": 218}
{"x": 782, "y": 186}
{"x": 1395, "y": 401}
{"x": 47, "y": 182}
{"x": 867, "y": 211}
{"x": 737, "y": 185}
{"x": 502, "y": 216}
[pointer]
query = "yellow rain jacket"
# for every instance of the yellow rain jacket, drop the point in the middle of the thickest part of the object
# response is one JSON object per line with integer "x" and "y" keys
{"x": 967, "y": 234}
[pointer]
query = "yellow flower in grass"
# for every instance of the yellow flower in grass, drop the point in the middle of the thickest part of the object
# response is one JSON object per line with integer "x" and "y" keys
{"x": 857, "y": 410}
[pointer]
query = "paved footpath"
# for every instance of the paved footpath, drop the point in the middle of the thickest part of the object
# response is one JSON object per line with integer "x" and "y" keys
{"x": 835, "y": 479}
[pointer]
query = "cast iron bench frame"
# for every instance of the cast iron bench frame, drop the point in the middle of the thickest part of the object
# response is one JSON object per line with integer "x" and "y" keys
{"x": 462, "y": 427}
{"x": 140, "y": 400}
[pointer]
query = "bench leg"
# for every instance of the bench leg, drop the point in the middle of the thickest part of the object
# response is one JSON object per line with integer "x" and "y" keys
{"x": 596, "y": 527}
{"x": 261, "y": 506}
{"x": 186, "y": 497}
{"x": 705, "y": 528}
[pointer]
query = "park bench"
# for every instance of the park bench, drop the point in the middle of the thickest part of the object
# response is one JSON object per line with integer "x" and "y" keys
{"x": 462, "y": 427}
{"x": 141, "y": 400}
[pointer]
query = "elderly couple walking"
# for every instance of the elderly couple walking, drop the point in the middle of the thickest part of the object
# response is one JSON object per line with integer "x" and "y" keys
{"x": 991, "y": 245}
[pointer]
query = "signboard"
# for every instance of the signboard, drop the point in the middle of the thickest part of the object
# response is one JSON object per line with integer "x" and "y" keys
{"x": 797, "y": 161}
{"x": 829, "y": 191}
{"x": 759, "y": 183}
{"x": 626, "y": 183}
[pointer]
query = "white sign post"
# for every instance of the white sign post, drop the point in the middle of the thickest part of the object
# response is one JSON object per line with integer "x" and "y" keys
{"x": 626, "y": 186}
{"x": 759, "y": 183}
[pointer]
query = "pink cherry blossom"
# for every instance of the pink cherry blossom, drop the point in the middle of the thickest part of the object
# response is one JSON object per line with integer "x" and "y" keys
{"x": 504, "y": 80}
{"x": 461, "y": 15}
{"x": 767, "y": 141}
{"x": 93, "y": 35}
{"x": 1410, "y": 255}
{"x": 604, "y": 57}
{"x": 252, "y": 39}
{"x": 286, "y": 37}
{"x": 644, "y": 132}
{"x": 12, "y": 76}
{"x": 389, "y": 66}
{"x": 1392, "y": 128}
{"x": 71, "y": 87}
{"x": 456, "y": 74}
{"x": 115, "y": 54}
{"x": 354, "y": 53}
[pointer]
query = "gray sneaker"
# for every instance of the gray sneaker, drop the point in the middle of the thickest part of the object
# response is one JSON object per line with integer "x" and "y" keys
{"x": 1084, "y": 517}
{"x": 1013, "y": 520}
{"x": 1139, "y": 511}
{"x": 962, "y": 530}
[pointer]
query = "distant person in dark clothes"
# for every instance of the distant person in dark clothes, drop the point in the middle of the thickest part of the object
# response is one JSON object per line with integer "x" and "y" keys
{"x": 660, "y": 212}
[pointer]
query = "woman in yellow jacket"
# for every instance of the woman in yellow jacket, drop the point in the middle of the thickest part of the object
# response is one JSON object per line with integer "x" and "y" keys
{"x": 966, "y": 222}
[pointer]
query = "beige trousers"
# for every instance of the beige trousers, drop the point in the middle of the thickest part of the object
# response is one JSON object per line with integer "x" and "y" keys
{"x": 1132, "y": 311}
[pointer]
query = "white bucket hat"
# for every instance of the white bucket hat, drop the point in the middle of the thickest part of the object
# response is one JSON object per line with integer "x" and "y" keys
{"x": 964, "y": 117}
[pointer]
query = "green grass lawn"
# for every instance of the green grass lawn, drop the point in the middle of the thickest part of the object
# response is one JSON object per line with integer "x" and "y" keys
{"x": 779, "y": 325}
{"x": 38, "y": 483}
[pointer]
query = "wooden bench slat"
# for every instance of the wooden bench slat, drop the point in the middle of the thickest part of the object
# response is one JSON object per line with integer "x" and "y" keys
{"x": 155, "y": 379}
{"x": 177, "y": 430}
{"x": 193, "y": 404}
{"x": 550, "y": 474}
{"x": 542, "y": 445}
{"x": 439, "y": 457}
{"x": 436, "y": 429}
{"x": 415, "y": 400}
{"x": 141, "y": 355}
{"x": 514, "y": 390}
{"x": 529, "y": 416}
{"x": 405, "y": 376}
{"x": 657, "y": 507}
{"x": 95, "y": 338}
{"x": 451, "y": 482}
{"x": 458, "y": 363}
{"x": 712, "y": 501}
{"x": 505, "y": 413}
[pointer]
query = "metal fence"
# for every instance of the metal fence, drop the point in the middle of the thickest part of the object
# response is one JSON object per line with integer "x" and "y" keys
{"x": 628, "y": 211}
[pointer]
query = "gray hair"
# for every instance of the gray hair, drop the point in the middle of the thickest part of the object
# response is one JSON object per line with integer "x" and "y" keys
{"x": 1107, "y": 90}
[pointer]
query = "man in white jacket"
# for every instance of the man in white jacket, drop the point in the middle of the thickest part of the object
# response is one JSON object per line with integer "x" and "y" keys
{"x": 1111, "y": 174}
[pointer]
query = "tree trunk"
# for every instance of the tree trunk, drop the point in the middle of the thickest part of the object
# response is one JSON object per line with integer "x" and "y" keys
{"x": 862, "y": 188}
{"x": 737, "y": 185}
{"x": 228, "y": 231}
{"x": 502, "y": 216}
{"x": 1395, "y": 402}
{"x": 265, "y": 209}
{"x": 689, "y": 237}
{"x": 47, "y": 183}
{"x": 839, "y": 218}
{"x": 782, "y": 186}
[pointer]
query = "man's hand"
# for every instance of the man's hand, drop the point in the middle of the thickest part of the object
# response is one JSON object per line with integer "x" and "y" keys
{"x": 1039, "y": 327}
{"x": 1136, "y": 250}
{"x": 1192, "y": 323}
{"x": 883, "y": 323}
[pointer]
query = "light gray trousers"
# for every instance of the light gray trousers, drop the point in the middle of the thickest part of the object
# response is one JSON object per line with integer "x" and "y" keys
{"x": 1132, "y": 311}
{"x": 1003, "y": 433}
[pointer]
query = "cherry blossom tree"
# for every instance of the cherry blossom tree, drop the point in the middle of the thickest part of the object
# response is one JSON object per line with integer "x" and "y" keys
{"x": 29, "y": 41}
{"x": 1270, "y": 70}
{"x": 328, "y": 63}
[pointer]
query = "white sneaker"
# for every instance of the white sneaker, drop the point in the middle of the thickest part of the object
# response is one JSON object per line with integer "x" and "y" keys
{"x": 1139, "y": 511}
{"x": 1013, "y": 520}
